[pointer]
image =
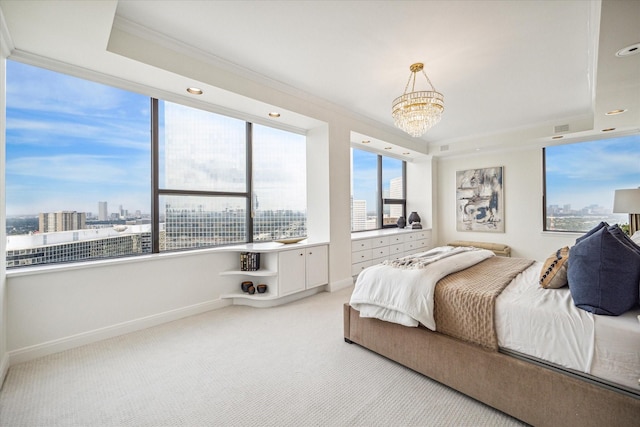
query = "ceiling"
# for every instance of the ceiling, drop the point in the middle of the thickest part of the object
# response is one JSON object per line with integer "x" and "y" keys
{"x": 511, "y": 72}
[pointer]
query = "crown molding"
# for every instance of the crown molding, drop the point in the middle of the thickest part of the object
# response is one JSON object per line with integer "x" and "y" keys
{"x": 180, "y": 47}
{"x": 6, "y": 42}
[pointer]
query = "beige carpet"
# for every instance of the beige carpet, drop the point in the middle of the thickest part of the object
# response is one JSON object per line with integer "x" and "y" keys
{"x": 235, "y": 366}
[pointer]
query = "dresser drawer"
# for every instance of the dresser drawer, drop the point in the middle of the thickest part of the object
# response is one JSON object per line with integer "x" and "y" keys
{"x": 416, "y": 235}
{"x": 411, "y": 247}
{"x": 422, "y": 244}
{"x": 395, "y": 239}
{"x": 381, "y": 252}
{"x": 361, "y": 256}
{"x": 359, "y": 266}
{"x": 359, "y": 245}
{"x": 379, "y": 242}
{"x": 396, "y": 251}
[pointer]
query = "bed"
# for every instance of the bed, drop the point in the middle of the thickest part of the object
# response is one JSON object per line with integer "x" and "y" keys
{"x": 589, "y": 377}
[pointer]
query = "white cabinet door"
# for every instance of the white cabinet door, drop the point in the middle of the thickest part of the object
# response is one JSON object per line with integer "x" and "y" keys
{"x": 291, "y": 272}
{"x": 317, "y": 266}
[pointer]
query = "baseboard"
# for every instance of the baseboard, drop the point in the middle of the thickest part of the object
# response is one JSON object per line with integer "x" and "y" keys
{"x": 341, "y": 284}
{"x": 4, "y": 368}
{"x": 62, "y": 344}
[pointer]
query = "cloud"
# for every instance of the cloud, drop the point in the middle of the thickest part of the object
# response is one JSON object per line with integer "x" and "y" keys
{"x": 87, "y": 169}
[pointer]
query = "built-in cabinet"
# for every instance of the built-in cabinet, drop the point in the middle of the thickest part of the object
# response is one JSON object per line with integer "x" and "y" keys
{"x": 287, "y": 270}
{"x": 373, "y": 247}
{"x": 305, "y": 268}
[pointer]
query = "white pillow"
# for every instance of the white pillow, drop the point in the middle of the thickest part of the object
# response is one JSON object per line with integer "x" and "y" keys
{"x": 636, "y": 237}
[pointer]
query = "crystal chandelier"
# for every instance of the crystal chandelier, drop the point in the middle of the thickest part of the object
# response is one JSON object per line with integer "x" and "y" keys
{"x": 416, "y": 112}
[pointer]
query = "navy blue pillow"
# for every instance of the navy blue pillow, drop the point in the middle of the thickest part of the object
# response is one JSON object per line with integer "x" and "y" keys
{"x": 617, "y": 232}
{"x": 593, "y": 230}
{"x": 604, "y": 274}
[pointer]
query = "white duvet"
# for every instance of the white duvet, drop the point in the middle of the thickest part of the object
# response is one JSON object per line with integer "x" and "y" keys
{"x": 405, "y": 296}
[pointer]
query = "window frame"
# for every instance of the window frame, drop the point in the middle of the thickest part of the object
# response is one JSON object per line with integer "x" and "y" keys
{"x": 388, "y": 201}
{"x": 545, "y": 184}
{"x": 382, "y": 201}
{"x": 154, "y": 158}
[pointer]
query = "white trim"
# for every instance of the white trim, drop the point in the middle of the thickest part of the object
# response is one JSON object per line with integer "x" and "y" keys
{"x": 4, "y": 368}
{"x": 39, "y": 350}
{"x": 6, "y": 42}
{"x": 170, "y": 43}
{"x": 340, "y": 284}
{"x": 273, "y": 302}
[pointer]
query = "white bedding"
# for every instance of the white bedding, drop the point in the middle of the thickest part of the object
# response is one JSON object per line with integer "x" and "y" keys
{"x": 405, "y": 296}
{"x": 544, "y": 323}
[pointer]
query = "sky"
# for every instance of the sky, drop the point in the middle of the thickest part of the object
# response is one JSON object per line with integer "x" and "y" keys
{"x": 587, "y": 173}
{"x": 364, "y": 173}
{"x": 72, "y": 143}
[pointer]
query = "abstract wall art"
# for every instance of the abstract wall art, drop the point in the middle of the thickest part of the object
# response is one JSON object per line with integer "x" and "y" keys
{"x": 480, "y": 200}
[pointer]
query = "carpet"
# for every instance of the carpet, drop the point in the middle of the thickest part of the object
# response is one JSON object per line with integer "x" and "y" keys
{"x": 236, "y": 366}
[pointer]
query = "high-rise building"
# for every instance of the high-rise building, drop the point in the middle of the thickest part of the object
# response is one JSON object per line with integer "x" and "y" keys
{"x": 103, "y": 213}
{"x": 395, "y": 192}
{"x": 358, "y": 215}
{"x": 61, "y": 221}
{"x": 79, "y": 245}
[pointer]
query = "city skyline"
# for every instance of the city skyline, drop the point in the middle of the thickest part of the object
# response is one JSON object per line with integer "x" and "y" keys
{"x": 587, "y": 173}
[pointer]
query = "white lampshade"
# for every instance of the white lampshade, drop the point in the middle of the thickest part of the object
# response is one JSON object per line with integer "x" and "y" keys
{"x": 627, "y": 201}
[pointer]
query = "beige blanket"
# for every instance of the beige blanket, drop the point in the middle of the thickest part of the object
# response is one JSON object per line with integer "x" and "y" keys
{"x": 465, "y": 301}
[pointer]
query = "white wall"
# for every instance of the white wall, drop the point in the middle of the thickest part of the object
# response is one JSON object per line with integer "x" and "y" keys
{"x": 522, "y": 182}
{"x": 60, "y": 308}
{"x": 420, "y": 190}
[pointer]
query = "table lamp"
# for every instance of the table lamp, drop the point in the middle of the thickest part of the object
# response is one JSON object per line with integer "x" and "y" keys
{"x": 628, "y": 201}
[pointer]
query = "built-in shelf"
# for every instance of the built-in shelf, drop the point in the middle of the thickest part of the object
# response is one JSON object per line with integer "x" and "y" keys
{"x": 265, "y": 296}
{"x": 256, "y": 273}
{"x": 290, "y": 271}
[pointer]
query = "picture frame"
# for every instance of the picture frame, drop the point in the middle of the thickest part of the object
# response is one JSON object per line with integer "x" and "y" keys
{"x": 480, "y": 200}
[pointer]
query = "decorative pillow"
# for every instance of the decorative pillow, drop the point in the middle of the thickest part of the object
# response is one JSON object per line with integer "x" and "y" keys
{"x": 593, "y": 230}
{"x": 554, "y": 271}
{"x": 603, "y": 274}
{"x": 623, "y": 238}
{"x": 636, "y": 237}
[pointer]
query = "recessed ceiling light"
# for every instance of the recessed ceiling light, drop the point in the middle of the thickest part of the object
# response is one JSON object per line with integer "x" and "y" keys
{"x": 388, "y": 148}
{"x": 629, "y": 50}
{"x": 195, "y": 91}
{"x": 274, "y": 115}
{"x": 608, "y": 129}
{"x": 366, "y": 141}
{"x": 557, "y": 137}
{"x": 406, "y": 154}
{"x": 614, "y": 112}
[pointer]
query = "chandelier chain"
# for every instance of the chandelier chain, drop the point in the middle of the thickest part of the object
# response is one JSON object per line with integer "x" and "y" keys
{"x": 429, "y": 80}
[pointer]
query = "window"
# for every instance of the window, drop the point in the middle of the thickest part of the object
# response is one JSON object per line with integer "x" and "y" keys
{"x": 72, "y": 146}
{"x": 393, "y": 196}
{"x": 377, "y": 190}
{"x": 81, "y": 185}
{"x": 580, "y": 180}
{"x": 279, "y": 202}
{"x": 203, "y": 182}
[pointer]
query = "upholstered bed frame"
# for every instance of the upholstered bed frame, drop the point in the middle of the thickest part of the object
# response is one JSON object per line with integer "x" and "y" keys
{"x": 538, "y": 395}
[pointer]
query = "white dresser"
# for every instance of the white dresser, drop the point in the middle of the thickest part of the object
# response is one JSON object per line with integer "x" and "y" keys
{"x": 373, "y": 247}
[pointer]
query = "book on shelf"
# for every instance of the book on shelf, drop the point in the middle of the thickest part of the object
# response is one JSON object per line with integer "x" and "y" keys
{"x": 249, "y": 261}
